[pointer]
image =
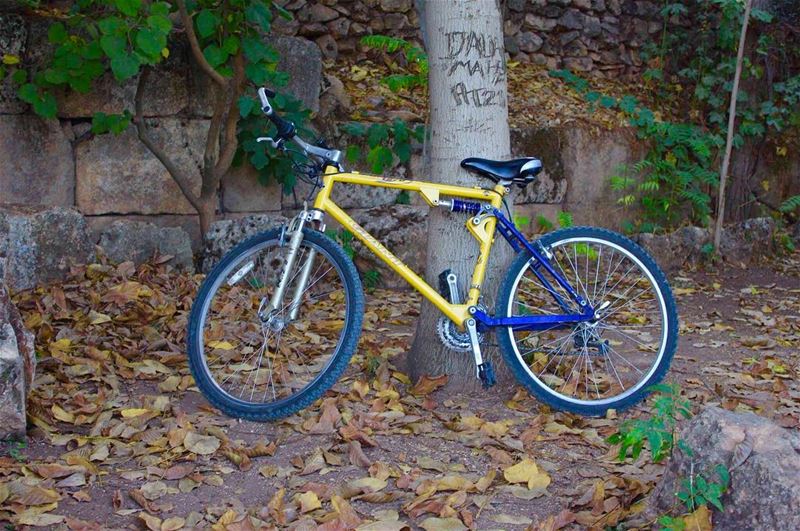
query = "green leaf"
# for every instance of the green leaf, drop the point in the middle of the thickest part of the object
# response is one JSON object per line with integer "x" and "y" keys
{"x": 376, "y": 134}
{"x": 160, "y": 23}
{"x": 403, "y": 151}
{"x": 124, "y": 66}
{"x": 110, "y": 25}
{"x": 160, "y": 8}
{"x": 257, "y": 13}
{"x": 215, "y": 55}
{"x": 246, "y": 105}
{"x": 231, "y": 44}
{"x": 379, "y": 158}
{"x": 113, "y": 45}
{"x": 55, "y": 76}
{"x": 206, "y": 22}
{"x": 129, "y": 7}
{"x": 353, "y": 153}
{"x": 46, "y": 106}
{"x": 56, "y": 33}
{"x": 354, "y": 129}
{"x": 150, "y": 42}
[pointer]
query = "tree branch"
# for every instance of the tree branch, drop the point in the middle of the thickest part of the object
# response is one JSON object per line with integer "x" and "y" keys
{"x": 195, "y": 45}
{"x": 180, "y": 178}
{"x": 229, "y": 140}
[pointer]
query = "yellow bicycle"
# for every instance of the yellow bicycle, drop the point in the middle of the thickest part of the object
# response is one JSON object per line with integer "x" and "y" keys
{"x": 585, "y": 319}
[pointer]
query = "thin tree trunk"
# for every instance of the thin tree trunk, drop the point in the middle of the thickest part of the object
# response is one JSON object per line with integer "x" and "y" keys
{"x": 468, "y": 117}
{"x": 723, "y": 175}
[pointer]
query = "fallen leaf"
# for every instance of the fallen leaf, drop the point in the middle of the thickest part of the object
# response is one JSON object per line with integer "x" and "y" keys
{"x": 526, "y": 471}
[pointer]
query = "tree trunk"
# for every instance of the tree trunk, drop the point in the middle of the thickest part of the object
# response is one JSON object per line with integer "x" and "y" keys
{"x": 468, "y": 117}
{"x": 207, "y": 213}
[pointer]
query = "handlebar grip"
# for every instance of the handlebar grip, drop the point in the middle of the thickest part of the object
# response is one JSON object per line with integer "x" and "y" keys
{"x": 263, "y": 95}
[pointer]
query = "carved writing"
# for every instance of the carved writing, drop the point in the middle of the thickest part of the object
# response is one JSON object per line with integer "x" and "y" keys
{"x": 476, "y": 56}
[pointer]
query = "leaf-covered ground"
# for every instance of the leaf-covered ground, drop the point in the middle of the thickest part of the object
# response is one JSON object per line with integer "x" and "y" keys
{"x": 120, "y": 437}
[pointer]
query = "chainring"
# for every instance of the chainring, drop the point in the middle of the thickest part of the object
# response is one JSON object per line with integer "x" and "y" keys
{"x": 452, "y": 338}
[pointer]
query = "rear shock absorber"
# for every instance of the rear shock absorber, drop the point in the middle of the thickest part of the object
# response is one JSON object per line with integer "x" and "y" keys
{"x": 469, "y": 207}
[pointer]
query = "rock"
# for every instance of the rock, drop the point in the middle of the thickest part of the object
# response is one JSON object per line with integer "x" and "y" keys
{"x": 510, "y": 44}
{"x": 403, "y": 229}
{"x": 119, "y": 175}
{"x": 139, "y": 241}
{"x": 334, "y": 100}
{"x": 189, "y": 224}
{"x": 13, "y": 34}
{"x": 396, "y": 21}
{"x": 396, "y": 6}
{"x": 242, "y": 191}
{"x": 302, "y": 60}
{"x": 529, "y": 42}
{"x": 550, "y": 185}
{"x": 582, "y": 4}
{"x": 674, "y": 250}
{"x": 747, "y": 240}
{"x": 40, "y": 245}
{"x": 516, "y": 5}
{"x": 796, "y": 234}
{"x": 571, "y": 19}
{"x": 322, "y": 13}
{"x": 764, "y": 464}
{"x": 17, "y": 367}
{"x": 328, "y": 47}
{"x": 225, "y": 234}
{"x": 578, "y": 64}
{"x": 540, "y": 23}
{"x": 37, "y": 167}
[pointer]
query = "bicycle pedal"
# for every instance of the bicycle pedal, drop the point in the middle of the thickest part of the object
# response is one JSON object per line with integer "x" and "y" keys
{"x": 486, "y": 374}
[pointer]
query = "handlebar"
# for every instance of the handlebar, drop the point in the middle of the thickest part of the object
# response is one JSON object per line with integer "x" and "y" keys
{"x": 287, "y": 131}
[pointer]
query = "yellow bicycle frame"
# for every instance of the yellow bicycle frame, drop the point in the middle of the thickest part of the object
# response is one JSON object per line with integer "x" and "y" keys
{"x": 484, "y": 231}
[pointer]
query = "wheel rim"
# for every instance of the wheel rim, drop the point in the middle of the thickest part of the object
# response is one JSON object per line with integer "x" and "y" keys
{"x": 592, "y": 364}
{"x": 254, "y": 361}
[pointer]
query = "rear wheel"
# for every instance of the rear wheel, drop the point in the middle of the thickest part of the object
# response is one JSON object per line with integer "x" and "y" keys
{"x": 261, "y": 365}
{"x": 608, "y": 363}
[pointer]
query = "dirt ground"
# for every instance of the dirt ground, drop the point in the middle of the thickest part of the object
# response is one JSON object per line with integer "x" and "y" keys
{"x": 121, "y": 439}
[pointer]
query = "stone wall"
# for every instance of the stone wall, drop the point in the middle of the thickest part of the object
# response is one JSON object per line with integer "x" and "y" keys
{"x": 597, "y": 36}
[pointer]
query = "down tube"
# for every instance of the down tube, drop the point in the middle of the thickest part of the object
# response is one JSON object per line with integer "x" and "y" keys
{"x": 455, "y": 312}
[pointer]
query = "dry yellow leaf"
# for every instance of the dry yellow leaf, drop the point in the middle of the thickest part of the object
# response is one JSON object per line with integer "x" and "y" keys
{"x": 308, "y": 502}
{"x": 526, "y": 471}
{"x": 201, "y": 444}
{"x": 134, "y": 412}
{"x": 442, "y": 524}
{"x": 60, "y": 414}
{"x": 172, "y": 524}
{"x": 699, "y": 520}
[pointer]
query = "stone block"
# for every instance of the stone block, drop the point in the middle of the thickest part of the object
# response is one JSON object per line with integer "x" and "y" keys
{"x": 37, "y": 166}
{"x": 140, "y": 241}
{"x": 242, "y": 192}
{"x": 225, "y": 234}
{"x": 119, "y": 175}
{"x": 41, "y": 245}
{"x": 403, "y": 229}
{"x": 299, "y": 57}
{"x": 13, "y": 34}
{"x": 190, "y": 224}
{"x": 17, "y": 367}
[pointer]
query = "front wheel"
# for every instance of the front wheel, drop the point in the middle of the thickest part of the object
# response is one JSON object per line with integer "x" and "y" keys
{"x": 608, "y": 363}
{"x": 261, "y": 365}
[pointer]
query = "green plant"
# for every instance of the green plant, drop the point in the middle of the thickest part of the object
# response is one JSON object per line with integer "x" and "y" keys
{"x": 544, "y": 224}
{"x": 790, "y": 205}
{"x": 127, "y": 39}
{"x": 371, "y": 278}
{"x": 403, "y": 198}
{"x": 655, "y": 432}
{"x": 676, "y": 174}
{"x": 14, "y": 447}
{"x": 699, "y": 489}
{"x": 387, "y": 143}
{"x": 415, "y": 56}
{"x": 345, "y": 239}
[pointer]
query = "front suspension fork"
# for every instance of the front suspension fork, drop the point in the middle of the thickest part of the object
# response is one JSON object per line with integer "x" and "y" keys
{"x": 295, "y": 233}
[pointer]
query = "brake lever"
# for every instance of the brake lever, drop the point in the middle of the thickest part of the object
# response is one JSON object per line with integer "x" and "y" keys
{"x": 273, "y": 143}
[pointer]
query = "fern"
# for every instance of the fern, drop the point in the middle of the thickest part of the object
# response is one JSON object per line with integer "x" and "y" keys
{"x": 564, "y": 219}
{"x": 385, "y": 43}
{"x": 790, "y": 204}
{"x": 416, "y": 57}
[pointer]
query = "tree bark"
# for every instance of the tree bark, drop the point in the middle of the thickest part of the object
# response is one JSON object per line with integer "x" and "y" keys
{"x": 731, "y": 124}
{"x": 468, "y": 117}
